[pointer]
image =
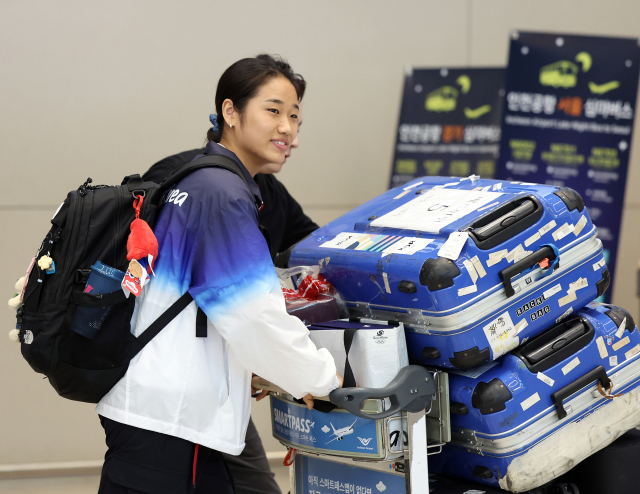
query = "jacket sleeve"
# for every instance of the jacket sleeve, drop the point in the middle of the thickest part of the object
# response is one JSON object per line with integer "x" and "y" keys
{"x": 235, "y": 284}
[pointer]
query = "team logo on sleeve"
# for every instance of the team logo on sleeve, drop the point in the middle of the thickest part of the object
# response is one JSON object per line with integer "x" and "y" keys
{"x": 176, "y": 197}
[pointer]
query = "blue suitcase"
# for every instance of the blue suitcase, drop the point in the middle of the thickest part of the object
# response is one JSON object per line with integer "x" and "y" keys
{"x": 533, "y": 414}
{"x": 385, "y": 258}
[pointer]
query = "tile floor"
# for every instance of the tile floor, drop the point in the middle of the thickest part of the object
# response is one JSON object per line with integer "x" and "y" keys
{"x": 88, "y": 485}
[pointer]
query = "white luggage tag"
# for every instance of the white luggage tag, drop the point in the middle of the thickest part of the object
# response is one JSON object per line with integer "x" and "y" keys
{"x": 134, "y": 279}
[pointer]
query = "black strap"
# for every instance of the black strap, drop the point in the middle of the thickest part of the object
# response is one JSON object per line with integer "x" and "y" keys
{"x": 206, "y": 161}
{"x": 165, "y": 318}
{"x": 349, "y": 379}
{"x": 201, "y": 324}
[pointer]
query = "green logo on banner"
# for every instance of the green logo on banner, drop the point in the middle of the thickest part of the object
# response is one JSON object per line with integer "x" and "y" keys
{"x": 603, "y": 88}
{"x": 564, "y": 73}
{"x": 478, "y": 112}
{"x": 445, "y": 98}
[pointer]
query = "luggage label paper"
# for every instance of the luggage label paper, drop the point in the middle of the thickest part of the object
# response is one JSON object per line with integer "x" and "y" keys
{"x": 386, "y": 244}
{"x": 602, "y": 347}
{"x": 502, "y": 335}
{"x": 634, "y": 351}
{"x": 621, "y": 328}
{"x": 435, "y": 209}
{"x": 570, "y": 366}
{"x": 453, "y": 246}
{"x": 529, "y": 402}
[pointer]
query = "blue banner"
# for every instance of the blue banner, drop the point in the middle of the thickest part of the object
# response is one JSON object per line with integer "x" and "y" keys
{"x": 318, "y": 476}
{"x": 449, "y": 123}
{"x": 336, "y": 432}
{"x": 568, "y": 121}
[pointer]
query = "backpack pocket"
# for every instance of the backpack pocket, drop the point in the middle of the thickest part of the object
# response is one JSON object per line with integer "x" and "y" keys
{"x": 87, "y": 368}
{"x": 92, "y": 311}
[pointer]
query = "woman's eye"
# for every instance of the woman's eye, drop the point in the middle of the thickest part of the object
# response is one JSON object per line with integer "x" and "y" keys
{"x": 294, "y": 116}
{"x": 273, "y": 110}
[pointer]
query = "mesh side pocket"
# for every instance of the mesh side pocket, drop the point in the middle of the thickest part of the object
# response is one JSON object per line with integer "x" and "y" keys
{"x": 109, "y": 347}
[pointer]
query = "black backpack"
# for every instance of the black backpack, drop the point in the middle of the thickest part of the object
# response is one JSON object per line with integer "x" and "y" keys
{"x": 93, "y": 225}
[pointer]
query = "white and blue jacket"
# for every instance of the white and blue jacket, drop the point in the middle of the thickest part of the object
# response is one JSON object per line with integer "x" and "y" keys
{"x": 198, "y": 389}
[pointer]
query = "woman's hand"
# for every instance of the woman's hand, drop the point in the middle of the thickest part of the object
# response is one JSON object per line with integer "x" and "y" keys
{"x": 308, "y": 399}
{"x": 254, "y": 392}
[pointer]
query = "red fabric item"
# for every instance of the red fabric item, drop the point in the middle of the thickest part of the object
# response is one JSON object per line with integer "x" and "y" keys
{"x": 309, "y": 288}
{"x": 141, "y": 242}
{"x": 291, "y": 454}
{"x": 195, "y": 463}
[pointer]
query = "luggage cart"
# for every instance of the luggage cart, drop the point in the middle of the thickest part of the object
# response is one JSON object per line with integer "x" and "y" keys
{"x": 376, "y": 440}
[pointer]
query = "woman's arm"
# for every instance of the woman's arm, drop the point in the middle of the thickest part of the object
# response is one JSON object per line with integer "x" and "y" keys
{"x": 234, "y": 282}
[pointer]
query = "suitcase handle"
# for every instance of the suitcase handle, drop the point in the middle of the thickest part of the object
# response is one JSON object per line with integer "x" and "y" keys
{"x": 496, "y": 226}
{"x": 545, "y": 252}
{"x": 556, "y": 344}
{"x": 599, "y": 373}
{"x": 410, "y": 390}
{"x": 504, "y": 223}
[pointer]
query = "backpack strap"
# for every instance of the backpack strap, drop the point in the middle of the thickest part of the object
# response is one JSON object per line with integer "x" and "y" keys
{"x": 207, "y": 161}
{"x": 165, "y": 318}
{"x": 201, "y": 324}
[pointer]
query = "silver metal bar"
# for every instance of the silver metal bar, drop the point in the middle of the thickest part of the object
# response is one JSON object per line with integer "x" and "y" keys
{"x": 416, "y": 467}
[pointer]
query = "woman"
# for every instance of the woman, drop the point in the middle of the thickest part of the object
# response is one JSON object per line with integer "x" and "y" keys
{"x": 284, "y": 223}
{"x": 184, "y": 400}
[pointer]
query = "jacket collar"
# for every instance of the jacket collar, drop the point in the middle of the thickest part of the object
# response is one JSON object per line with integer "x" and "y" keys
{"x": 215, "y": 148}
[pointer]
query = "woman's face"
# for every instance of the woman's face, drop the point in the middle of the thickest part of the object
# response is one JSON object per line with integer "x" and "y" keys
{"x": 270, "y": 168}
{"x": 269, "y": 124}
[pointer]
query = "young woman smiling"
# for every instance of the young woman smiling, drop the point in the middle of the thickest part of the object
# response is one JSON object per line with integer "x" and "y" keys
{"x": 186, "y": 399}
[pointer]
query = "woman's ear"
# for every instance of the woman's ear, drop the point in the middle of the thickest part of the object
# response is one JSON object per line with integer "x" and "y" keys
{"x": 228, "y": 112}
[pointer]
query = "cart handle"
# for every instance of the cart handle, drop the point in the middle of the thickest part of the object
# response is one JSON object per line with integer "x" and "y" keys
{"x": 411, "y": 390}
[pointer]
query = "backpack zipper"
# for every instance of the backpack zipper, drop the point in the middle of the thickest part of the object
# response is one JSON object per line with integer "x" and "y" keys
{"x": 72, "y": 242}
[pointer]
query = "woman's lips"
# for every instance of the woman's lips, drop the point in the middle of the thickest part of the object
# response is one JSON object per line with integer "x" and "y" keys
{"x": 281, "y": 145}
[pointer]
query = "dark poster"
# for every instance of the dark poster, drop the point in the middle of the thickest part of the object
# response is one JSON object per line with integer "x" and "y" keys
{"x": 568, "y": 120}
{"x": 449, "y": 123}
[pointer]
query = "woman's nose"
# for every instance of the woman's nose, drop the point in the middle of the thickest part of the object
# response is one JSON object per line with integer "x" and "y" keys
{"x": 285, "y": 127}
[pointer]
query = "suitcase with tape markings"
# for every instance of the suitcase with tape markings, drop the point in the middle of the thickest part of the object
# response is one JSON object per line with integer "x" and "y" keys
{"x": 612, "y": 470}
{"x": 530, "y": 416}
{"x": 439, "y": 484}
{"x": 529, "y": 257}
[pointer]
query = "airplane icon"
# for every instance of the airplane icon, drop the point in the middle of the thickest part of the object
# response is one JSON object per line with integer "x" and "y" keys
{"x": 340, "y": 433}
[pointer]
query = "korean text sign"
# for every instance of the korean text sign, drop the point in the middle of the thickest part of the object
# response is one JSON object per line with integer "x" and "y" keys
{"x": 449, "y": 123}
{"x": 568, "y": 120}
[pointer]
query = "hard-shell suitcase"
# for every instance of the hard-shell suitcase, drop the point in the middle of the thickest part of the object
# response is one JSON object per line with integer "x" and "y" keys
{"x": 533, "y": 414}
{"x": 439, "y": 484}
{"x": 387, "y": 259}
{"x": 612, "y": 470}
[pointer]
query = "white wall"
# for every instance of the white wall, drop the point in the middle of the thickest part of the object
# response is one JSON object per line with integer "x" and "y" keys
{"x": 106, "y": 89}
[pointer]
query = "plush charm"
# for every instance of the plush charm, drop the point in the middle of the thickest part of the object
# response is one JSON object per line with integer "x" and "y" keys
{"x": 20, "y": 284}
{"x": 45, "y": 262}
{"x": 15, "y": 302}
{"x": 14, "y": 335}
{"x": 142, "y": 243}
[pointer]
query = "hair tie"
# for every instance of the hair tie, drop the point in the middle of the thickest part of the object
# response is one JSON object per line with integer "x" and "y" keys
{"x": 213, "y": 118}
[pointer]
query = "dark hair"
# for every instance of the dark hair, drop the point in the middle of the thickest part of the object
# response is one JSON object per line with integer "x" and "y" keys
{"x": 242, "y": 81}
